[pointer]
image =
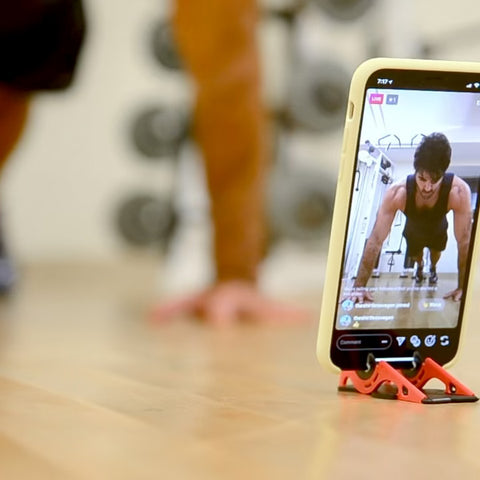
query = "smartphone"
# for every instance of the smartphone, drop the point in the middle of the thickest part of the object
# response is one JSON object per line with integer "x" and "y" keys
{"x": 403, "y": 242}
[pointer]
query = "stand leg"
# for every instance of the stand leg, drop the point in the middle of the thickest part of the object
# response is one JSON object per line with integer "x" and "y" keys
{"x": 430, "y": 369}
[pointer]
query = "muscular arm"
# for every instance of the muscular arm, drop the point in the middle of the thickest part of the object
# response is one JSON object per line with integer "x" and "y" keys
{"x": 459, "y": 201}
{"x": 218, "y": 45}
{"x": 394, "y": 200}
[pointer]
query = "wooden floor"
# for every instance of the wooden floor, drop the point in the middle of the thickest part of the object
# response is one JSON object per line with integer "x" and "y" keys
{"x": 89, "y": 389}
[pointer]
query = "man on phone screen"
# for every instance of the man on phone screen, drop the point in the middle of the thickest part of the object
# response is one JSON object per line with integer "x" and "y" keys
{"x": 425, "y": 198}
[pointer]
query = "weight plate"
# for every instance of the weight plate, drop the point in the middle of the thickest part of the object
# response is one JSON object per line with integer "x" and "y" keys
{"x": 163, "y": 46}
{"x": 345, "y": 10}
{"x": 143, "y": 219}
{"x": 300, "y": 205}
{"x": 158, "y": 132}
{"x": 318, "y": 95}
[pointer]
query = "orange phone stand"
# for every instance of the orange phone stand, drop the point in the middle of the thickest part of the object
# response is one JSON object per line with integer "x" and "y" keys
{"x": 385, "y": 381}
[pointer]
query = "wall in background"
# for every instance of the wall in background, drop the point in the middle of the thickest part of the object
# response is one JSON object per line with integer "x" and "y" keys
{"x": 76, "y": 162}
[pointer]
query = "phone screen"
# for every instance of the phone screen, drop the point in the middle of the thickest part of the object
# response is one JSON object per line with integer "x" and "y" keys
{"x": 412, "y": 218}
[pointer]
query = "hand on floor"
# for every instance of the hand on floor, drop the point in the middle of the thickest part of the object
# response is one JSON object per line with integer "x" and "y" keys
{"x": 358, "y": 295}
{"x": 455, "y": 295}
{"x": 228, "y": 302}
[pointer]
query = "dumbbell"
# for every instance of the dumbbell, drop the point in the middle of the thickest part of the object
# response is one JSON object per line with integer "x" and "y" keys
{"x": 159, "y": 131}
{"x": 163, "y": 46}
{"x": 318, "y": 95}
{"x": 285, "y": 9}
{"x": 345, "y": 10}
{"x": 143, "y": 219}
{"x": 300, "y": 204}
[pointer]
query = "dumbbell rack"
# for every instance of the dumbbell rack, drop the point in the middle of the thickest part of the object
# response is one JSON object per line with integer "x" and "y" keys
{"x": 311, "y": 202}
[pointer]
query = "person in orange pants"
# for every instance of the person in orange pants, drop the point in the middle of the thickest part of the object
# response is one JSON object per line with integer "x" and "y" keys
{"x": 218, "y": 46}
{"x": 13, "y": 115}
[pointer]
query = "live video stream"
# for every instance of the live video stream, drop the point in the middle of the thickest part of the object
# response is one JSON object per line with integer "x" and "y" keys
{"x": 413, "y": 205}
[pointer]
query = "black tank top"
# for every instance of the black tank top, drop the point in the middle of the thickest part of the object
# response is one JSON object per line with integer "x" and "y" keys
{"x": 426, "y": 222}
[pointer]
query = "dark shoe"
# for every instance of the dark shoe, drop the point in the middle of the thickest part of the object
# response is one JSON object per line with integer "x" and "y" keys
{"x": 7, "y": 270}
{"x": 433, "y": 279}
{"x": 7, "y": 276}
{"x": 419, "y": 275}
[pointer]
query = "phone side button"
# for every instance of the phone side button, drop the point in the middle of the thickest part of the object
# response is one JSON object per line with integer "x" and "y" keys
{"x": 341, "y": 168}
{"x": 343, "y": 159}
{"x": 346, "y": 139}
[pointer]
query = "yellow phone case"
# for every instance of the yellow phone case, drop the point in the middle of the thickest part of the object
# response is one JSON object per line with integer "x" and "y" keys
{"x": 342, "y": 198}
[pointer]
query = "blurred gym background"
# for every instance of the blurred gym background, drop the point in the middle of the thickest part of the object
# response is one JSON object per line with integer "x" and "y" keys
{"x": 107, "y": 169}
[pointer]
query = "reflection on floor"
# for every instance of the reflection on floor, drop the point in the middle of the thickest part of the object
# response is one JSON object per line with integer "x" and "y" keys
{"x": 400, "y": 303}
